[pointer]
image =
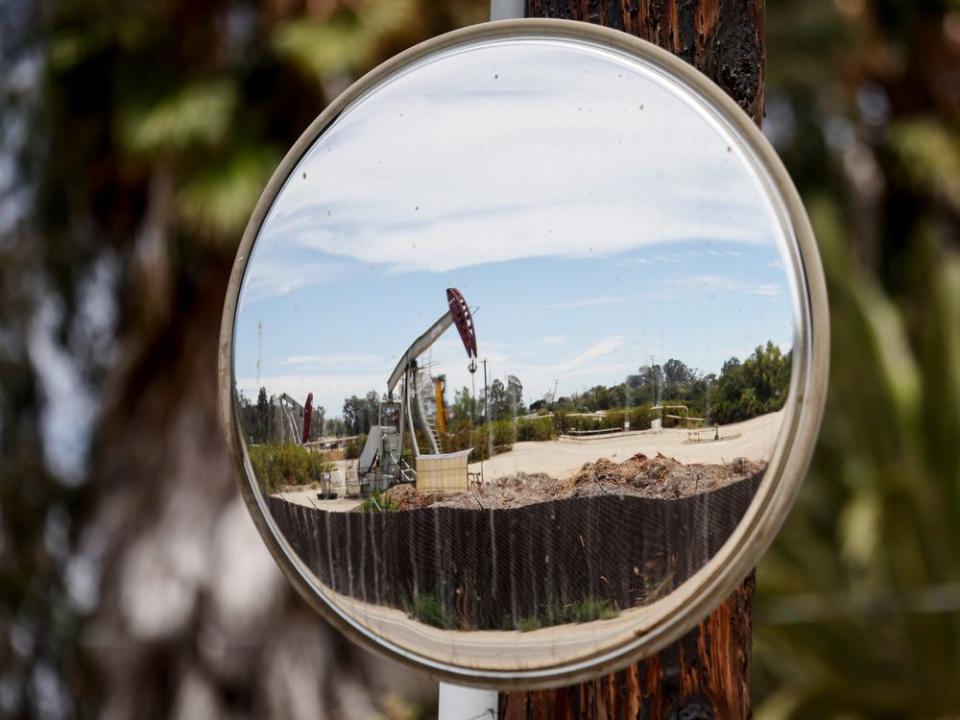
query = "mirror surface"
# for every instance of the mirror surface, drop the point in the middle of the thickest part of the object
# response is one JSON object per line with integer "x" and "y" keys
{"x": 512, "y": 350}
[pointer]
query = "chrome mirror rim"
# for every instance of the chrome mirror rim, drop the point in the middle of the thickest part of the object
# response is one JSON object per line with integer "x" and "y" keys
{"x": 683, "y": 608}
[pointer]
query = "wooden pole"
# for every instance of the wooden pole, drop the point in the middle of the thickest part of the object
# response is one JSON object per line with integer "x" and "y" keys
{"x": 724, "y": 39}
{"x": 706, "y": 675}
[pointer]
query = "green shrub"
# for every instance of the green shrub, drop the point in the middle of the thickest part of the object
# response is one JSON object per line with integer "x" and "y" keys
{"x": 504, "y": 435}
{"x": 426, "y": 608}
{"x": 614, "y": 419}
{"x": 537, "y": 429}
{"x": 378, "y": 502}
{"x": 639, "y": 417}
{"x": 279, "y": 466}
{"x": 587, "y": 610}
{"x": 529, "y": 623}
{"x": 562, "y": 422}
{"x": 355, "y": 447}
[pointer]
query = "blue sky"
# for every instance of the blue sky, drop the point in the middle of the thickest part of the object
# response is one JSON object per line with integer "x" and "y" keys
{"x": 592, "y": 216}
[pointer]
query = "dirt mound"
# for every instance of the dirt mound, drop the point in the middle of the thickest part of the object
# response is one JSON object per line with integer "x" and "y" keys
{"x": 659, "y": 477}
{"x": 406, "y": 497}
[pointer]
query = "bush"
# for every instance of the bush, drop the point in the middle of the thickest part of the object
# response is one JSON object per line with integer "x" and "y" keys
{"x": 614, "y": 419}
{"x": 378, "y": 502}
{"x": 355, "y": 447}
{"x": 562, "y": 422}
{"x": 428, "y": 609}
{"x": 639, "y": 417}
{"x": 279, "y": 466}
{"x": 537, "y": 429}
{"x": 504, "y": 435}
{"x": 587, "y": 610}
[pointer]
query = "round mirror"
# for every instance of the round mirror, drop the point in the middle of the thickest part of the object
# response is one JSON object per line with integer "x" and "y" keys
{"x": 524, "y": 353}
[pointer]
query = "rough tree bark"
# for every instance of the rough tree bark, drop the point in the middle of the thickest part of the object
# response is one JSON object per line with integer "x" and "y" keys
{"x": 705, "y": 675}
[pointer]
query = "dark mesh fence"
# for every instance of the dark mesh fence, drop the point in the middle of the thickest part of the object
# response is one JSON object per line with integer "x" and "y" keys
{"x": 557, "y": 561}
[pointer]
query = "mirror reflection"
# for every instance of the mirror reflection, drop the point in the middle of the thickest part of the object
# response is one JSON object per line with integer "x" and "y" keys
{"x": 513, "y": 350}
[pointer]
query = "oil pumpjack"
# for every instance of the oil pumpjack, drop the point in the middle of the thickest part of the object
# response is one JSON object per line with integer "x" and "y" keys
{"x": 381, "y": 462}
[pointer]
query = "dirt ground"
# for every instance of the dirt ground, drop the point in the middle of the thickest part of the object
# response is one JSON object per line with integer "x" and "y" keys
{"x": 562, "y": 458}
{"x": 668, "y": 464}
{"x": 640, "y": 476}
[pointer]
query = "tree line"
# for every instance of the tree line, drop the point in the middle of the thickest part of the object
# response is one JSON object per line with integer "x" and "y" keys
{"x": 743, "y": 389}
{"x": 263, "y": 420}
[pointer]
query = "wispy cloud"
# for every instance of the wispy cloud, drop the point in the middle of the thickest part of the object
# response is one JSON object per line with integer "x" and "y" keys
{"x": 724, "y": 283}
{"x": 331, "y": 360}
{"x": 554, "y": 340}
{"x": 270, "y": 275}
{"x": 386, "y": 184}
{"x": 602, "y": 348}
{"x": 584, "y": 303}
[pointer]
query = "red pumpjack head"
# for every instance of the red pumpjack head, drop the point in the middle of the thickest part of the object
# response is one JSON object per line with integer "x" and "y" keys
{"x": 463, "y": 319}
{"x": 307, "y": 417}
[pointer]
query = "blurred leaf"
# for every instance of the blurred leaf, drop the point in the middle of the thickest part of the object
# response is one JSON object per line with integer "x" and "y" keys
{"x": 218, "y": 201}
{"x": 930, "y": 156}
{"x": 328, "y": 49}
{"x": 195, "y": 114}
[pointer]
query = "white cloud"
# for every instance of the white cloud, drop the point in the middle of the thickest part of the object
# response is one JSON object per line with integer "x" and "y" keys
{"x": 585, "y": 302}
{"x": 554, "y": 340}
{"x": 724, "y": 283}
{"x": 332, "y": 360}
{"x": 434, "y": 173}
{"x": 271, "y": 274}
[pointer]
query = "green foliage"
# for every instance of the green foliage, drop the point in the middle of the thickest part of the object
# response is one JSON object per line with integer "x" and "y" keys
{"x": 638, "y": 416}
{"x": 504, "y": 435}
{"x": 526, "y": 624}
{"x": 580, "y": 611}
{"x": 378, "y": 502}
{"x": 355, "y": 447}
{"x": 857, "y": 613}
{"x": 216, "y": 200}
{"x": 586, "y": 610}
{"x": 281, "y": 466}
{"x": 428, "y": 609}
{"x": 188, "y": 115}
{"x": 505, "y": 399}
{"x": 756, "y": 386}
{"x": 361, "y": 413}
{"x": 465, "y": 410}
{"x": 329, "y": 48}
{"x": 538, "y": 429}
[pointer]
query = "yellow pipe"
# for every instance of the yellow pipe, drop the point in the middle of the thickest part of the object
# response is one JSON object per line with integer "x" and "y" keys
{"x": 441, "y": 412}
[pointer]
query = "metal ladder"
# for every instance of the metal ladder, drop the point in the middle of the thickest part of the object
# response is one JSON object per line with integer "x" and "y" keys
{"x": 407, "y": 473}
{"x": 432, "y": 428}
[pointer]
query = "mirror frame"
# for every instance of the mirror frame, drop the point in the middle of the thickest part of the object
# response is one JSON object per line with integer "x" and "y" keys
{"x": 690, "y": 603}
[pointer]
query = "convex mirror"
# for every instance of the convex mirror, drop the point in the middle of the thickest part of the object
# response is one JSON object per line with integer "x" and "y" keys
{"x": 524, "y": 353}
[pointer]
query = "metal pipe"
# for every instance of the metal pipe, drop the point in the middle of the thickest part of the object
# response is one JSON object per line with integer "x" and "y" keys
{"x": 422, "y": 414}
{"x": 418, "y": 348}
{"x": 406, "y": 404}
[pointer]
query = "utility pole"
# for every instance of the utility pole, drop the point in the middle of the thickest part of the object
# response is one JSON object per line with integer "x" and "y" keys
{"x": 706, "y": 675}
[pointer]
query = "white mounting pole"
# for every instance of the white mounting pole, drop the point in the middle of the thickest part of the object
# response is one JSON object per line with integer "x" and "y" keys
{"x": 457, "y": 702}
{"x": 506, "y": 9}
{"x": 463, "y": 703}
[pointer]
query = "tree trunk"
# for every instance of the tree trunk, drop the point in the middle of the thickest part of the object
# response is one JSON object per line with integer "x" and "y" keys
{"x": 707, "y": 673}
{"x": 721, "y": 38}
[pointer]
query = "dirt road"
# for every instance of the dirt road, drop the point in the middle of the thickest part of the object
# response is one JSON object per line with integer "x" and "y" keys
{"x": 752, "y": 439}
